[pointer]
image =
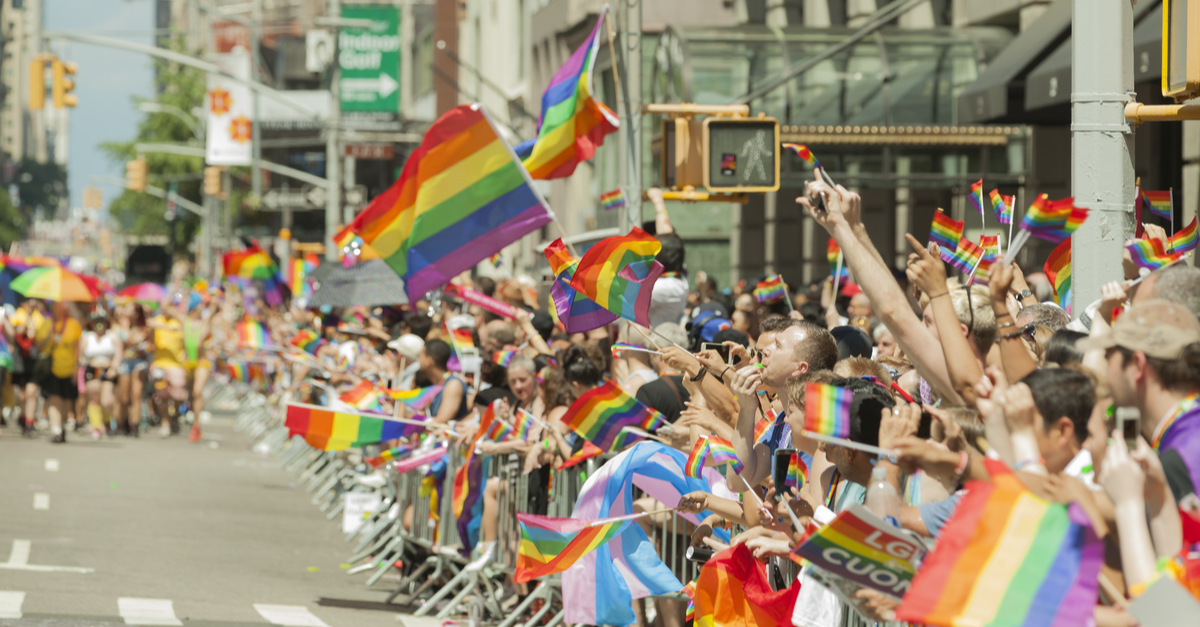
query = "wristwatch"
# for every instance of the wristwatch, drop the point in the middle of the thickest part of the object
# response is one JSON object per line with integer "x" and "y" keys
{"x": 1025, "y": 293}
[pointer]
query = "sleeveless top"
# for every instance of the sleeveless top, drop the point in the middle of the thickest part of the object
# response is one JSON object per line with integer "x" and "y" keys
{"x": 436, "y": 405}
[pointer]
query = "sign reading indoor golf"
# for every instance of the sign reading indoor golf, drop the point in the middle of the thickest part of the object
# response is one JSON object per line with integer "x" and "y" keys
{"x": 369, "y": 60}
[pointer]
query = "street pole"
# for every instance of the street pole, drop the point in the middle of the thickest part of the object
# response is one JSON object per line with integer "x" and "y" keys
{"x": 1101, "y": 142}
{"x": 255, "y": 131}
{"x": 333, "y": 211}
{"x": 630, "y": 139}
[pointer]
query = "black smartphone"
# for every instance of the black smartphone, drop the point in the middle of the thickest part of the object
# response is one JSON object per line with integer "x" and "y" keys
{"x": 925, "y": 427}
{"x": 721, "y": 349}
{"x": 1130, "y": 421}
{"x": 779, "y": 470}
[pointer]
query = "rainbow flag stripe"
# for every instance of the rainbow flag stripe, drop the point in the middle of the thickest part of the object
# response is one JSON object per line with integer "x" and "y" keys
{"x": 461, "y": 197}
{"x": 600, "y": 414}
{"x": 588, "y": 451}
{"x": 1158, "y": 202}
{"x": 1002, "y": 206}
{"x": 417, "y": 399}
{"x": 237, "y": 372}
{"x": 576, "y": 312}
{"x": 252, "y": 334}
{"x": 306, "y": 340}
{"x": 1007, "y": 557}
{"x": 827, "y": 409}
{"x": 1058, "y": 271}
{"x": 619, "y": 274}
{"x": 797, "y": 474}
{"x": 990, "y": 244}
{"x": 621, "y": 347}
{"x": 695, "y": 461}
{"x": 1149, "y": 253}
{"x": 1185, "y": 240}
{"x": 946, "y": 232}
{"x": 983, "y": 271}
{"x": 1054, "y": 220}
{"x": 976, "y": 195}
{"x": 612, "y": 200}
{"x": 966, "y": 256}
{"x": 362, "y": 397}
{"x": 770, "y": 290}
{"x": 552, "y": 545}
{"x": 390, "y": 455}
{"x": 833, "y": 253}
{"x": 804, "y": 153}
{"x": 503, "y": 358}
{"x": 330, "y": 430}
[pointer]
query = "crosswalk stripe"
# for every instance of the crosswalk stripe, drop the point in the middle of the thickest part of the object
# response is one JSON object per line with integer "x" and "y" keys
{"x": 51, "y": 465}
{"x": 147, "y": 611}
{"x": 290, "y": 615}
{"x": 41, "y": 500}
{"x": 10, "y": 603}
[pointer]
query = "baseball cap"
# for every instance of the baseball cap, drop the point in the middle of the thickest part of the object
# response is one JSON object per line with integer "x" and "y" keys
{"x": 851, "y": 341}
{"x": 1157, "y": 327}
{"x": 408, "y": 345}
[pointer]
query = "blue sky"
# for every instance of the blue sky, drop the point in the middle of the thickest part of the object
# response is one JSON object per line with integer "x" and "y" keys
{"x": 105, "y": 83}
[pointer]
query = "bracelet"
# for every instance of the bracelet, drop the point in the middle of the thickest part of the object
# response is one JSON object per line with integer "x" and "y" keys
{"x": 963, "y": 460}
{"x": 939, "y": 295}
{"x": 1006, "y": 324}
{"x": 1001, "y": 315}
{"x": 1010, "y": 336}
{"x": 721, "y": 377}
{"x": 1030, "y": 462}
{"x": 699, "y": 375}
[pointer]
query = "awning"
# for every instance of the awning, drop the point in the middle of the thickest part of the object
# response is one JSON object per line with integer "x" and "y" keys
{"x": 1049, "y": 83}
{"x": 998, "y": 95}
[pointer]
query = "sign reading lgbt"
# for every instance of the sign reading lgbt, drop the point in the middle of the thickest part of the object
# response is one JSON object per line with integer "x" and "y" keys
{"x": 860, "y": 548}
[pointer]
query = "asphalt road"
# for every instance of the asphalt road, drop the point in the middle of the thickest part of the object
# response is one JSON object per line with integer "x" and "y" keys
{"x": 152, "y": 531}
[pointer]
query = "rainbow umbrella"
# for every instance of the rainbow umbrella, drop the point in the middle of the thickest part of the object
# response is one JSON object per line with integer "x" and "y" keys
{"x": 151, "y": 293}
{"x": 43, "y": 261}
{"x": 58, "y": 284}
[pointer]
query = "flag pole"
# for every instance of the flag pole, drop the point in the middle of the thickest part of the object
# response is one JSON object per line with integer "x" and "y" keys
{"x": 1171, "y": 196}
{"x": 850, "y": 444}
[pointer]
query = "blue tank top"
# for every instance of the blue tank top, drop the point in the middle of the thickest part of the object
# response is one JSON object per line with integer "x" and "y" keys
{"x": 436, "y": 405}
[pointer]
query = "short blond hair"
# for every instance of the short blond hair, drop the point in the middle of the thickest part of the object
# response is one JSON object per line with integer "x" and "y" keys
{"x": 975, "y": 311}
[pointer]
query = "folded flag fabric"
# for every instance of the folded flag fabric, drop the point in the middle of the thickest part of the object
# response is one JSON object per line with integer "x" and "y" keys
{"x": 573, "y": 123}
{"x": 576, "y": 312}
{"x": 770, "y": 290}
{"x": 1006, "y": 557}
{"x": 390, "y": 455}
{"x": 1185, "y": 240}
{"x": 1002, "y": 206}
{"x": 1158, "y": 202}
{"x": 252, "y": 334}
{"x": 363, "y": 397}
{"x": 946, "y": 232}
{"x": 804, "y": 153}
{"x": 601, "y": 414}
{"x": 418, "y": 398}
{"x": 330, "y": 430}
{"x": 966, "y": 255}
{"x": 461, "y": 197}
{"x": 733, "y": 591}
{"x": 1149, "y": 253}
{"x": 612, "y": 200}
{"x": 976, "y": 196}
{"x": 552, "y": 545}
{"x": 619, "y": 274}
{"x": 466, "y": 494}
{"x": 827, "y": 409}
{"x": 833, "y": 254}
{"x": 252, "y": 263}
{"x": 1058, "y": 272}
{"x": 1053, "y": 220}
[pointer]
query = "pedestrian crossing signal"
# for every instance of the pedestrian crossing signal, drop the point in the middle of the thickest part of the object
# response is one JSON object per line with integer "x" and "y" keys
{"x": 741, "y": 154}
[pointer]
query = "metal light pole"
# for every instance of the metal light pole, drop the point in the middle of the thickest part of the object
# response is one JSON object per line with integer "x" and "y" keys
{"x": 255, "y": 125}
{"x": 1101, "y": 142}
{"x": 630, "y": 139}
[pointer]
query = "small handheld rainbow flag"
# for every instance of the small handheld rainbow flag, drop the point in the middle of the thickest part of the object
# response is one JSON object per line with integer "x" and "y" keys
{"x": 1149, "y": 253}
{"x": 983, "y": 271}
{"x": 946, "y": 232}
{"x": 706, "y": 446}
{"x": 797, "y": 474}
{"x": 306, "y": 340}
{"x": 695, "y": 460}
{"x": 588, "y": 451}
{"x": 503, "y": 358}
{"x": 1158, "y": 202}
{"x": 1002, "y": 206}
{"x": 552, "y": 545}
{"x": 330, "y": 430}
{"x": 237, "y": 372}
{"x": 990, "y": 244}
{"x": 362, "y": 397}
{"x": 1058, "y": 271}
{"x": 827, "y": 409}
{"x": 524, "y": 422}
{"x": 1185, "y": 240}
{"x": 770, "y": 290}
{"x": 499, "y": 431}
{"x": 601, "y": 414}
{"x": 966, "y": 256}
{"x": 804, "y": 153}
{"x": 1050, "y": 220}
{"x": 390, "y": 455}
{"x": 832, "y": 254}
{"x": 251, "y": 334}
{"x": 460, "y": 339}
{"x": 620, "y": 347}
{"x": 612, "y": 200}
{"x": 417, "y": 399}
{"x": 976, "y": 195}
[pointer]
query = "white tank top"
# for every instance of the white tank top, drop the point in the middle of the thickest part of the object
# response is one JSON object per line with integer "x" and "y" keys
{"x": 95, "y": 346}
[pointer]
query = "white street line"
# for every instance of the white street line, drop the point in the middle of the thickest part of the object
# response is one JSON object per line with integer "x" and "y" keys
{"x": 19, "y": 560}
{"x": 10, "y": 604}
{"x": 41, "y": 500}
{"x": 20, "y": 553}
{"x": 147, "y": 611}
{"x": 290, "y": 615}
{"x": 51, "y": 465}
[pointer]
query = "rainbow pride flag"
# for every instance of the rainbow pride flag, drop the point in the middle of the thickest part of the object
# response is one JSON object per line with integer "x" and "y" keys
{"x": 983, "y": 271}
{"x": 1002, "y": 206}
{"x": 600, "y": 415}
{"x": 612, "y": 200}
{"x": 1185, "y": 240}
{"x": 990, "y": 244}
{"x": 797, "y": 474}
{"x": 573, "y": 123}
{"x": 252, "y": 334}
{"x": 1058, "y": 272}
{"x": 976, "y": 195}
{"x": 833, "y": 253}
{"x": 498, "y": 432}
{"x": 770, "y": 290}
{"x": 461, "y": 339}
{"x": 461, "y": 197}
{"x": 330, "y": 430}
{"x": 966, "y": 256}
{"x": 418, "y": 399}
{"x": 552, "y": 545}
{"x": 620, "y": 347}
{"x": 1149, "y": 253}
{"x": 1158, "y": 202}
{"x": 719, "y": 450}
{"x": 503, "y": 358}
{"x": 827, "y": 409}
{"x": 619, "y": 274}
{"x": 1006, "y": 557}
{"x": 390, "y": 455}
{"x": 237, "y": 372}
{"x": 695, "y": 461}
{"x": 362, "y": 397}
{"x": 1053, "y": 220}
{"x": 945, "y": 232}
{"x": 804, "y": 153}
{"x": 466, "y": 494}
{"x": 306, "y": 340}
{"x": 576, "y": 312}
{"x": 523, "y": 424}
{"x": 252, "y": 263}
{"x": 588, "y": 451}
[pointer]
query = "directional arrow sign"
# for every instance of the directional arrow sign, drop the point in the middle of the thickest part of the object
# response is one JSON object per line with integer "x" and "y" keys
{"x": 369, "y": 59}
{"x": 302, "y": 199}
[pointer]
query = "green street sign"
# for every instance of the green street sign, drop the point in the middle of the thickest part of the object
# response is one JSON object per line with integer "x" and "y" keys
{"x": 369, "y": 60}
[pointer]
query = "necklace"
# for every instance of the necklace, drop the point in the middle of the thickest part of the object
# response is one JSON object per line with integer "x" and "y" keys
{"x": 1185, "y": 405}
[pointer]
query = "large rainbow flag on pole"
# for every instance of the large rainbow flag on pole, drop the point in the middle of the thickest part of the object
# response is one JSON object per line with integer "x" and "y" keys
{"x": 330, "y": 430}
{"x": 1006, "y": 557}
{"x": 577, "y": 312}
{"x": 601, "y": 414}
{"x": 573, "y": 123}
{"x": 461, "y": 197}
{"x": 619, "y": 274}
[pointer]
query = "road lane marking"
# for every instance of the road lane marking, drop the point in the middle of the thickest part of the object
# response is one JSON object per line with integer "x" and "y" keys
{"x": 20, "y": 553}
{"x": 10, "y": 603}
{"x": 147, "y": 611}
{"x": 19, "y": 560}
{"x": 41, "y": 500}
{"x": 290, "y": 615}
{"x": 51, "y": 465}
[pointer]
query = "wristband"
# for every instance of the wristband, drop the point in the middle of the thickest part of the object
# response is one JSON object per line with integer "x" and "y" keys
{"x": 699, "y": 375}
{"x": 939, "y": 295}
{"x": 1006, "y": 324}
{"x": 963, "y": 460}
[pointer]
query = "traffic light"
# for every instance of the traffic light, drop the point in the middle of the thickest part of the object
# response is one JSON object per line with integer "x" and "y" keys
{"x": 741, "y": 154}
{"x": 63, "y": 85}
{"x": 212, "y": 180}
{"x": 92, "y": 198}
{"x": 1181, "y": 49}
{"x": 135, "y": 175}
{"x": 37, "y": 85}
